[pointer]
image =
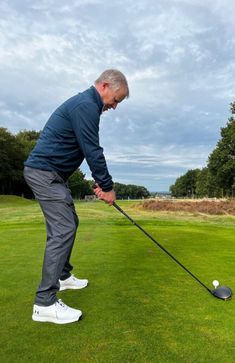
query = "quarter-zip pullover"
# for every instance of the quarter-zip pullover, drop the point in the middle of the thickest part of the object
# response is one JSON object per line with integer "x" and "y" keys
{"x": 71, "y": 135}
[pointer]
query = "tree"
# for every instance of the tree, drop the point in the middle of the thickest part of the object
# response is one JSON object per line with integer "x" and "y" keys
{"x": 14, "y": 149}
{"x": 124, "y": 191}
{"x": 202, "y": 188}
{"x": 218, "y": 178}
{"x": 206, "y": 184}
{"x": 221, "y": 163}
{"x": 28, "y": 140}
{"x": 185, "y": 185}
{"x": 79, "y": 186}
{"x": 11, "y": 162}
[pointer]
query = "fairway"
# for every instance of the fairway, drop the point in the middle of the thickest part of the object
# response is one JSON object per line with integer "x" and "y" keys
{"x": 140, "y": 306}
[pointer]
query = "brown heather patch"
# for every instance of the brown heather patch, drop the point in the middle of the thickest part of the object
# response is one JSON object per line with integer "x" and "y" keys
{"x": 205, "y": 206}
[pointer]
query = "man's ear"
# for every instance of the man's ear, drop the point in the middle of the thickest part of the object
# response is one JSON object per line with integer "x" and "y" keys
{"x": 105, "y": 85}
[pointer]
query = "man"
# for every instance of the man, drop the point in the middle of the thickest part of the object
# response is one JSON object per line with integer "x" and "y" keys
{"x": 70, "y": 135}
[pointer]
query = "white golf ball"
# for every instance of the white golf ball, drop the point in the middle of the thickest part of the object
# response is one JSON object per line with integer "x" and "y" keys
{"x": 215, "y": 283}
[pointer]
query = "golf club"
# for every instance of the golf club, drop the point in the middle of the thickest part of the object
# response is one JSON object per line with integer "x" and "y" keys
{"x": 222, "y": 292}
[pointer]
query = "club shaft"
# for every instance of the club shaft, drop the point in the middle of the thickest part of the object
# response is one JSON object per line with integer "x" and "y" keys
{"x": 160, "y": 246}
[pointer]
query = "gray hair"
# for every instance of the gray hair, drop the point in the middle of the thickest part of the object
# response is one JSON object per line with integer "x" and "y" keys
{"x": 115, "y": 78}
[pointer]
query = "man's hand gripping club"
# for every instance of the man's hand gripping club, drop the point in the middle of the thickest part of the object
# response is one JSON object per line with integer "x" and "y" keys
{"x": 107, "y": 197}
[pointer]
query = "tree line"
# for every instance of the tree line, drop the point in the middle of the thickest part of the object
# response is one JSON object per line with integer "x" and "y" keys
{"x": 14, "y": 150}
{"x": 217, "y": 179}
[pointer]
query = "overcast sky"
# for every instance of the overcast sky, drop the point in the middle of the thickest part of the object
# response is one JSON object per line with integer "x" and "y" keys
{"x": 179, "y": 59}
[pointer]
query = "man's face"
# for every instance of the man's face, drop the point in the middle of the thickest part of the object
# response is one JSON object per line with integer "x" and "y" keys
{"x": 111, "y": 97}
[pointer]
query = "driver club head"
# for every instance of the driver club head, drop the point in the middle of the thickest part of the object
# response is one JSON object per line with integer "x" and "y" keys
{"x": 223, "y": 292}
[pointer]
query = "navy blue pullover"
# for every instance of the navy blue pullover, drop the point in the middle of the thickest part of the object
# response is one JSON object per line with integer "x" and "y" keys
{"x": 70, "y": 135}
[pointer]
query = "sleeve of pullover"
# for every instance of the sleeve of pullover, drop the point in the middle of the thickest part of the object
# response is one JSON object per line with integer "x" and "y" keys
{"x": 85, "y": 122}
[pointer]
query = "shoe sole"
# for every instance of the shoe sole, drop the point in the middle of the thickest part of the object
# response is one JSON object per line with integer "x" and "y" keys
{"x": 72, "y": 287}
{"x": 42, "y": 319}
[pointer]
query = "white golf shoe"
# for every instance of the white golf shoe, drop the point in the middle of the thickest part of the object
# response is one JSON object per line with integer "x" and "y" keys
{"x": 58, "y": 313}
{"x": 72, "y": 283}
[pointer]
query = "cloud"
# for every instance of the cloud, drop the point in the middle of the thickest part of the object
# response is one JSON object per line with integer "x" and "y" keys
{"x": 178, "y": 56}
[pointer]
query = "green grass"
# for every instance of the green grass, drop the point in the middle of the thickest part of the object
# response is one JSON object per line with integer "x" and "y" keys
{"x": 139, "y": 307}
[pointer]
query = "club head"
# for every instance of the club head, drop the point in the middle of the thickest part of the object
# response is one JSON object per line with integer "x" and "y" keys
{"x": 222, "y": 292}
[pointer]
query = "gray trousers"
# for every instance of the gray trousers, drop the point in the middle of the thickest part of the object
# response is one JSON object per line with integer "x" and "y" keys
{"x": 61, "y": 219}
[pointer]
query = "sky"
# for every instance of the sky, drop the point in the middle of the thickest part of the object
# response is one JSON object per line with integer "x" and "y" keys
{"x": 178, "y": 57}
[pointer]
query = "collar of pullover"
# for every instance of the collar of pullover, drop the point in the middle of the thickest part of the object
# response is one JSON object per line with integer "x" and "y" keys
{"x": 97, "y": 98}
